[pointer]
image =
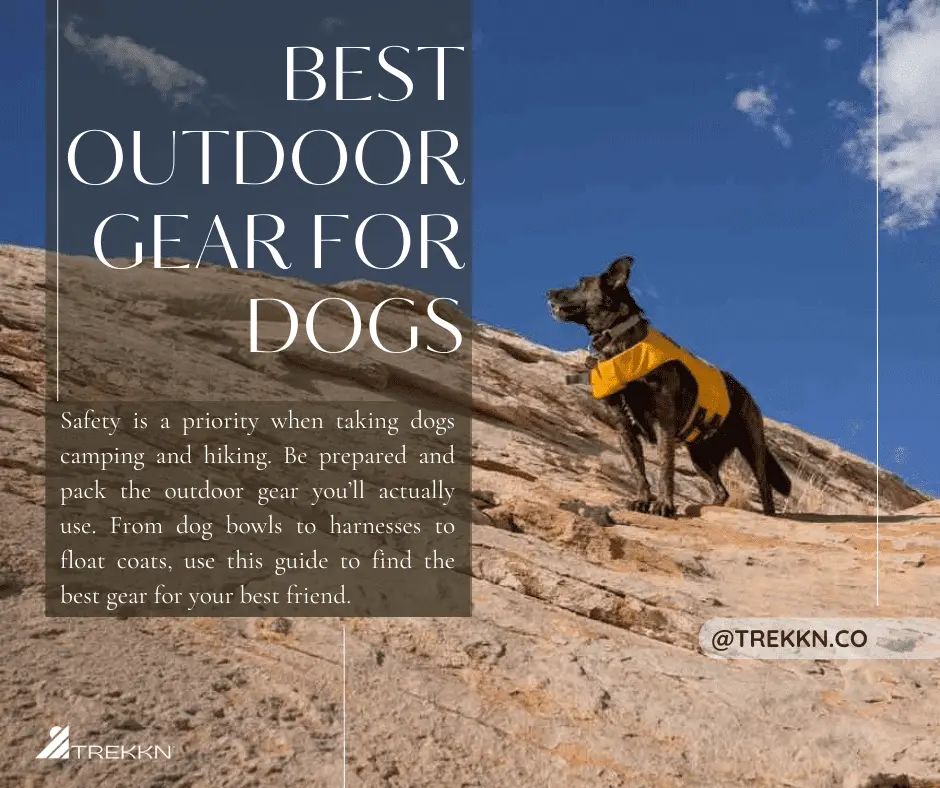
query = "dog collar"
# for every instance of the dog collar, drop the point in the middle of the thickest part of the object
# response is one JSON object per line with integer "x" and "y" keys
{"x": 599, "y": 343}
{"x": 610, "y": 335}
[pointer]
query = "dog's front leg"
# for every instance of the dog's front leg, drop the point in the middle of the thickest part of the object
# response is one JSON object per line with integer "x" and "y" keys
{"x": 633, "y": 453}
{"x": 665, "y": 505}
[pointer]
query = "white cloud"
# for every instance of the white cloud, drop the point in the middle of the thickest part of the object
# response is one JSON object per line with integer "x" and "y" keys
{"x": 846, "y": 110}
{"x": 806, "y": 6}
{"x": 782, "y": 135}
{"x": 909, "y": 109}
{"x": 831, "y": 44}
{"x": 138, "y": 64}
{"x": 761, "y": 107}
{"x": 756, "y": 103}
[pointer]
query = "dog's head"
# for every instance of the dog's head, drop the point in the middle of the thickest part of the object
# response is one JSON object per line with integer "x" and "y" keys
{"x": 592, "y": 301}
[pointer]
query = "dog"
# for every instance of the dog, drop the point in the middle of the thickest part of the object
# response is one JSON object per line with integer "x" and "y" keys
{"x": 664, "y": 394}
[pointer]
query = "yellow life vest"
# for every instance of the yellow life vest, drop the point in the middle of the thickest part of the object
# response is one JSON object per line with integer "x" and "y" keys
{"x": 713, "y": 403}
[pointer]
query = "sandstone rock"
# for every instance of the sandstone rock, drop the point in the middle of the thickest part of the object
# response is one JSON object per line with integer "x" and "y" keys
{"x": 580, "y": 667}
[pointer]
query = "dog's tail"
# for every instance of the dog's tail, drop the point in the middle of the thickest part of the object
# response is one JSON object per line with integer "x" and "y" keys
{"x": 777, "y": 476}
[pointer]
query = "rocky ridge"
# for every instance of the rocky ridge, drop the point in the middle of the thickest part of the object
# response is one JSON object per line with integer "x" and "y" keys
{"x": 580, "y": 665}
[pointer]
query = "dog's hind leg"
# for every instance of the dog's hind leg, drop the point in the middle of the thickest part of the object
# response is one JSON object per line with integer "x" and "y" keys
{"x": 707, "y": 458}
{"x": 778, "y": 476}
{"x": 753, "y": 446}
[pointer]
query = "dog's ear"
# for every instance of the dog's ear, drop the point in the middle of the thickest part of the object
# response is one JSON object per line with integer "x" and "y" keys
{"x": 617, "y": 273}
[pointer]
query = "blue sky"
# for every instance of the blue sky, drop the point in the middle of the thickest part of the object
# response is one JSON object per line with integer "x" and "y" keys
{"x": 707, "y": 141}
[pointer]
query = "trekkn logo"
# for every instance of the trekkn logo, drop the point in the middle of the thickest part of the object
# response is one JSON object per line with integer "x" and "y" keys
{"x": 59, "y": 747}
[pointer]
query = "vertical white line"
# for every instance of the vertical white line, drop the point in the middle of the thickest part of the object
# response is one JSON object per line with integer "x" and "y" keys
{"x": 57, "y": 146}
{"x": 344, "y": 706}
{"x": 877, "y": 310}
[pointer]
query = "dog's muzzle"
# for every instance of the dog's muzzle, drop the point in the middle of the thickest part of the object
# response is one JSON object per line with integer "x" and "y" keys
{"x": 561, "y": 312}
{"x": 556, "y": 303}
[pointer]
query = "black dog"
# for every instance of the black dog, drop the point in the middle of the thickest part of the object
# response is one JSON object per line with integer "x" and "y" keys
{"x": 663, "y": 405}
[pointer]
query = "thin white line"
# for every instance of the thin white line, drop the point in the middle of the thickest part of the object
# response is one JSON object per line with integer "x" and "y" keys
{"x": 344, "y": 706}
{"x": 877, "y": 311}
{"x": 57, "y": 146}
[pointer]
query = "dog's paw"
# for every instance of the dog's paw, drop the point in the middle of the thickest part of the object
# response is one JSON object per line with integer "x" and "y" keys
{"x": 590, "y": 362}
{"x": 662, "y": 509}
{"x": 640, "y": 505}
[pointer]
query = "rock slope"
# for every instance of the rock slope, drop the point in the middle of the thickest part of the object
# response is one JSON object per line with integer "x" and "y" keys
{"x": 580, "y": 665}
